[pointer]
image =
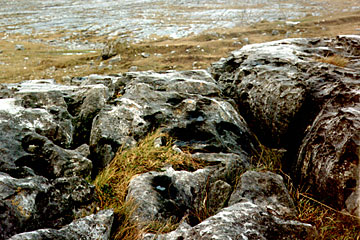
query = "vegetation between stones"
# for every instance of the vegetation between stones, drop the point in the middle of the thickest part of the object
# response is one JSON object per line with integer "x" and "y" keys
{"x": 329, "y": 222}
{"x": 335, "y": 60}
{"x": 111, "y": 184}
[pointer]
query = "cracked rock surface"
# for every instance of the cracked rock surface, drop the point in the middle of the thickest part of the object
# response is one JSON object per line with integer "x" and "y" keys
{"x": 284, "y": 94}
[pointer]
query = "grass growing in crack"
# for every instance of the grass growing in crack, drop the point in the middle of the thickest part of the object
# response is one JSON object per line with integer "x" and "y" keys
{"x": 330, "y": 223}
{"x": 112, "y": 183}
{"x": 334, "y": 60}
{"x": 267, "y": 159}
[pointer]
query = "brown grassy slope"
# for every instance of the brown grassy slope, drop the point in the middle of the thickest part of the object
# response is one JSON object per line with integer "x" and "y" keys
{"x": 44, "y": 61}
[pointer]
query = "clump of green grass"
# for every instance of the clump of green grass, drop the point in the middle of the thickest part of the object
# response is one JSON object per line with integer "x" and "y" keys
{"x": 112, "y": 183}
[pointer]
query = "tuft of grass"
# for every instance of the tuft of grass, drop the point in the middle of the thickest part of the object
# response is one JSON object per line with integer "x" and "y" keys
{"x": 267, "y": 159}
{"x": 330, "y": 223}
{"x": 335, "y": 60}
{"x": 112, "y": 183}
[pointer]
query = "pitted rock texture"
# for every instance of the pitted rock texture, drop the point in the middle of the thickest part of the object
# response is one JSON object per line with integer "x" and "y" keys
{"x": 273, "y": 83}
{"x": 18, "y": 202}
{"x": 162, "y": 195}
{"x": 265, "y": 189}
{"x": 42, "y": 180}
{"x": 34, "y": 202}
{"x": 293, "y": 96}
{"x": 187, "y": 105}
{"x": 173, "y": 194}
{"x": 93, "y": 227}
{"x": 52, "y": 161}
{"x": 244, "y": 220}
{"x": 328, "y": 158}
{"x": 53, "y": 137}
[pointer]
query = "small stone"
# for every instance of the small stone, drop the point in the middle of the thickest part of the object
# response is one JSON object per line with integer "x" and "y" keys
{"x": 66, "y": 80}
{"x": 291, "y": 24}
{"x": 115, "y": 59}
{"x": 102, "y": 65}
{"x": 19, "y": 47}
{"x": 237, "y": 43}
{"x": 275, "y": 32}
{"x": 145, "y": 55}
{"x": 133, "y": 69}
{"x": 246, "y": 40}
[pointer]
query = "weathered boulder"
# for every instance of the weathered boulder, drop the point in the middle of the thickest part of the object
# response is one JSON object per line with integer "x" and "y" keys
{"x": 274, "y": 84}
{"x": 255, "y": 212}
{"x": 18, "y": 202}
{"x": 54, "y": 124}
{"x": 93, "y": 227}
{"x": 228, "y": 166}
{"x": 303, "y": 95}
{"x": 34, "y": 202}
{"x": 85, "y": 104}
{"x": 267, "y": 83}
{"x": 42, "y": 183}
{"x": 65, "y": 197}
{"x": 70, "y": 109}
{"x": 16, "y": 121}
{"x": 187, "y": 105}
{"x": 328, "y": 159}
{"x": 267, "y": 190}
{"x": 165, "y": 195}
{"x": 51, "y": 161}
{"x": 109, "y": 50}
{"x": 173, "y": 194}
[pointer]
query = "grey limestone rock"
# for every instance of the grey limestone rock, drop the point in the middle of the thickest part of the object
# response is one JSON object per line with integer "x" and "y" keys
{"x": 93, "y": 227}
{"x": 187, "y": 105}
{"x": 267, "y": 84}
{"x": 52, "y": 161}
{"x": 85, "y": 104}
{"x": 33, "y": 202}
{"x": 243, "y": 220}
{"x": 259, "y": 208}
{"x": 267, "y": 190}
{"x": 58, "y": 206}
{"x": 328, "y": 158}
{"x": 164, "y": 195}
{"x": 274, "y": 84}
{"x": 109, "y": 50}
{"x": 293, "y": 96}
{"x": 174, "y": 194}
{"x": 18, "y": 202}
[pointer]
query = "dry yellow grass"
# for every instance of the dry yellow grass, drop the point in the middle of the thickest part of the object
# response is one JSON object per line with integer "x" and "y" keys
{"x": 112, "y": 183}
{"x": 335, "y": 60}
{"x": 111, "y": 186}
{"x": 44, "y": 61}
{"x": 330, "y": 223}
